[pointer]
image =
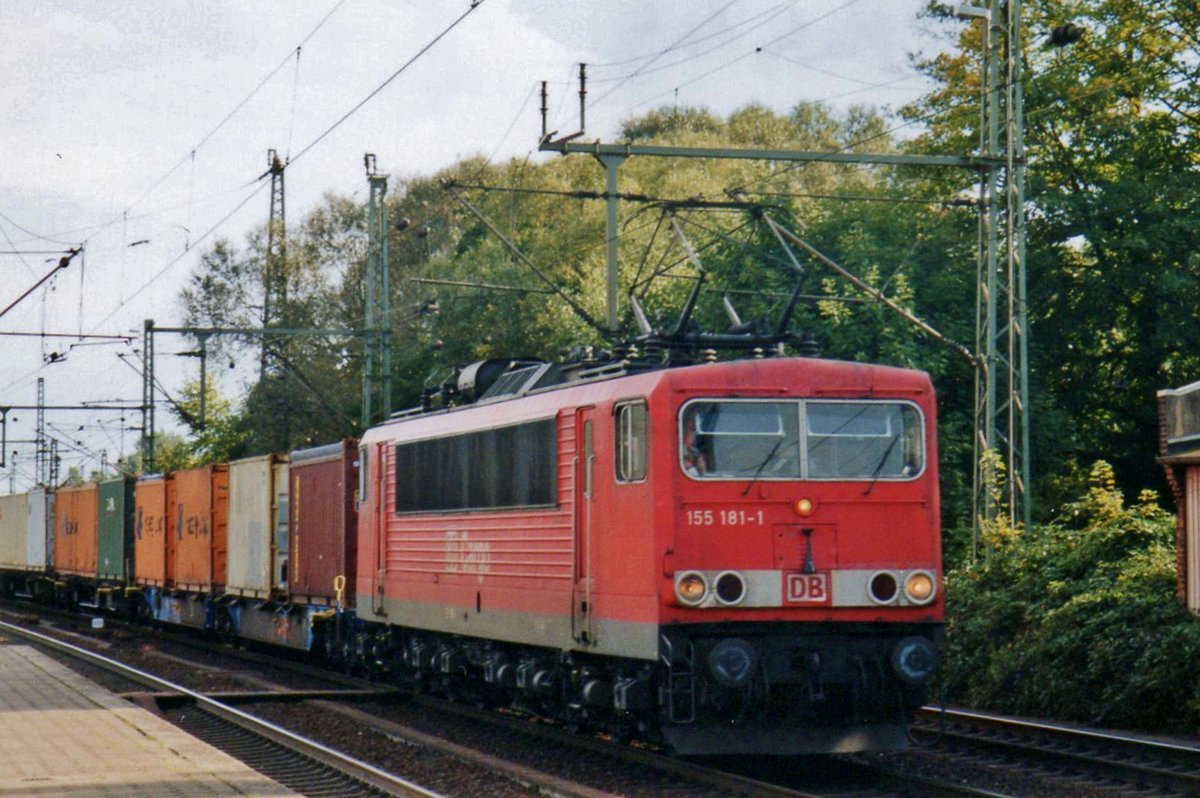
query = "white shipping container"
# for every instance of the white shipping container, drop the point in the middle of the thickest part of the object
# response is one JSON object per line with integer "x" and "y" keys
{"x": 14, "y": 521}
{"x": 39, "y": 532}
{"x": 252, "y": 523}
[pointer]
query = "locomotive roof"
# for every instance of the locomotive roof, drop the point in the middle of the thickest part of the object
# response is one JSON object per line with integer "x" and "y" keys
{"x": 795, "y": 376}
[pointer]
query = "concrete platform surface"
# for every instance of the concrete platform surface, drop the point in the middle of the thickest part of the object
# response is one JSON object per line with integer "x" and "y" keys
{"x": 62, "y": 736}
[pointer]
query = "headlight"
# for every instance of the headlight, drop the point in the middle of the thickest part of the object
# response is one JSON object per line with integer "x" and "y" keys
{"x": 730, "y": 588}
{"x": 919, "y": 587}
{"x": 883, "y": 588}
{"x": 691, "y": 588}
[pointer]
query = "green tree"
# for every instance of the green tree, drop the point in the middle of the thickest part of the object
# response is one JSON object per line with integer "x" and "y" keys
{"x": 1114, "y": 187}
{"x": 172, "y": 452}
{"x": 219, "y": 433}
{"x": 1077, "y": 619}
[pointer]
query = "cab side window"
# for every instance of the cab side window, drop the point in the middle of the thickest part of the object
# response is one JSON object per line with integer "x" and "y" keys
{"x": 630, "y": 444}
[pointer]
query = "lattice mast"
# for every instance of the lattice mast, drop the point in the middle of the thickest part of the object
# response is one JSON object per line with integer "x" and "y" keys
{"x": 377, "y": 374}
{"x": 275, "y": 286}
{"x": 1002, "y": 379}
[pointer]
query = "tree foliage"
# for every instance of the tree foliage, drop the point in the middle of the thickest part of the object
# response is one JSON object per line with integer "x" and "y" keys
{"x": 1077, "y": 620}
{"x": 1113, "y": 185}
{"x": 461, "y": 292}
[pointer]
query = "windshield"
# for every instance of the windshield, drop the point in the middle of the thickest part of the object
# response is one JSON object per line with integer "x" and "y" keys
{"x": 751, "y": 439}
{"x": 737, "y": 439}
{"x": 863, "y": 440}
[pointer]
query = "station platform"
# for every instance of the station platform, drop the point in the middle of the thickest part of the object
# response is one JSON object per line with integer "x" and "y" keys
{"x": 62, "y": 736}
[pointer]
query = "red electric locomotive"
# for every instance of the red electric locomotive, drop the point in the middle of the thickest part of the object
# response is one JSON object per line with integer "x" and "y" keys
{"x": 730, "y": 557}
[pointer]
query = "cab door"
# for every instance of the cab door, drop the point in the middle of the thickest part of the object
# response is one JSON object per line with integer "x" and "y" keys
{"x": 582, "y": 625}
{"x": 378, "y": 487}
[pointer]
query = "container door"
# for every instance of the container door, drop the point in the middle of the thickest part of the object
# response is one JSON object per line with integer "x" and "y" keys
{"x": 14, "y": 522}
{"x": 150, "y": 533}
{"x": 110, "y": 553}
{"x": 582, "y": 627}
{"x": 173, "y": 512}
{"x": 279, "y": 515}
{"x": 219, "y": 495}
{"x": 37, "y": 525}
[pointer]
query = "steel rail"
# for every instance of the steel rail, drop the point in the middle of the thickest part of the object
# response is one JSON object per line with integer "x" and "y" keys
{"x": 887, "y": 781}
{"x": 1142, "y": 743}
{"x": 357, "y": 769}
{"x": 1138, "y": 760}
{"x": 727, "y": 783}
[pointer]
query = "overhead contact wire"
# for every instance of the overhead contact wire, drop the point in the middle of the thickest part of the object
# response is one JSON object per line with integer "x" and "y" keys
{"x": 773, "y": 11}
{"x": 205, "y": 138}
{"x": 179, "y": 257}
{"x": 661, "y": 53}
{"x": 428, "y": 46}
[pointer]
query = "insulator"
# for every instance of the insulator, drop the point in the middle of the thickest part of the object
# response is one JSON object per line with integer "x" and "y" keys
{"x": 1062, "y": 35}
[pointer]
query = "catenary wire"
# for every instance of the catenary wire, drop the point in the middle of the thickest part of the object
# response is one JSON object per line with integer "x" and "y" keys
{"x": 772, "y": 11}
{"x": 292, "y": 53}
{"x": 738, "y": 59}
{"x": 622, "y": 81}
{"x": 403, "y": 67}
{"x": 953, "y": 106}
{"x": 687, "y": 59}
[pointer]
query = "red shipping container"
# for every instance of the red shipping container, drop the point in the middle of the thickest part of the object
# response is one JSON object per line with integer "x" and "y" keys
{"x": 200, "y": 516}
{"x": 322, "y": 521}
{"x": 76, "y": 530}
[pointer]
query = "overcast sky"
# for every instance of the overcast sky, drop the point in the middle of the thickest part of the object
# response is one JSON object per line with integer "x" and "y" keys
{"x": 138, "y": 128}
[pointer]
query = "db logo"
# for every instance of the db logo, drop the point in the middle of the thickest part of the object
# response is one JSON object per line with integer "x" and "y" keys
{"x": 806, "y": 588}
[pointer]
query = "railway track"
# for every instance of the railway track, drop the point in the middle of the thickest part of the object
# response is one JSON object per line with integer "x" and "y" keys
{"x": 866, "y": 780}
{"x": 367, "y": 705}
{"x": 303, "y": 765}
{"x": 1128, "y": 764}
{"x": 586, "y": 763}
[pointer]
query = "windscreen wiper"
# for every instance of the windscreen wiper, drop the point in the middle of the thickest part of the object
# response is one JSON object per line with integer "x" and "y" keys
{"x": 882, "y": 461}
{"x": 762, "y": 466}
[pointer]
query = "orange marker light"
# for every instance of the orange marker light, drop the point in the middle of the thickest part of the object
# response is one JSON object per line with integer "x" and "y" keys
{"x": 919, "y": 587}
{"x": 691, "y": 588}
{"x": 804, "y": 507}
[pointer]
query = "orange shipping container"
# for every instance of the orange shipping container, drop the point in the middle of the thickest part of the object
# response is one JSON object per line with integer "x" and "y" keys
{"x": 152, "y": 497}
{"x": 76, "y": 530}
{"x": 201, "y": 517}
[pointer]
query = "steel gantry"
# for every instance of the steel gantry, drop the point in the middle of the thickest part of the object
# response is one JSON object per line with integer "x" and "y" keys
{"x": 376, "y": 335}
{"x": 1000, "y": 358}
{"x": 202, "y": 334}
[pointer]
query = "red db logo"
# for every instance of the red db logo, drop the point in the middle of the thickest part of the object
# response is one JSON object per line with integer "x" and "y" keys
{"x": 806, "y": 588}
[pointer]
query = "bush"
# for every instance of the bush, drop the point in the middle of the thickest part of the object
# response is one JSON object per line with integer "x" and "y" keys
{"x": 1077, "y": 620}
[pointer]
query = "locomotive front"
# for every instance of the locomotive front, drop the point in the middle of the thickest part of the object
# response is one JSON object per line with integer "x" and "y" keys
{"x": 802, "y": 585}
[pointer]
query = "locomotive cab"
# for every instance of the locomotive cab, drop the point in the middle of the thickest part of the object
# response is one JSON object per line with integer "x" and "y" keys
{"x": 802, "y": 602}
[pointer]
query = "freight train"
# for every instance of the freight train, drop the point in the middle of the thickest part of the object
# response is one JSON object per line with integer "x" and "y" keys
{"x": 729, "y": 557}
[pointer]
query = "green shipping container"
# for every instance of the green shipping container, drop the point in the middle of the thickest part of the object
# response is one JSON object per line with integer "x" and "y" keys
{"x": 114, "y": 560}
